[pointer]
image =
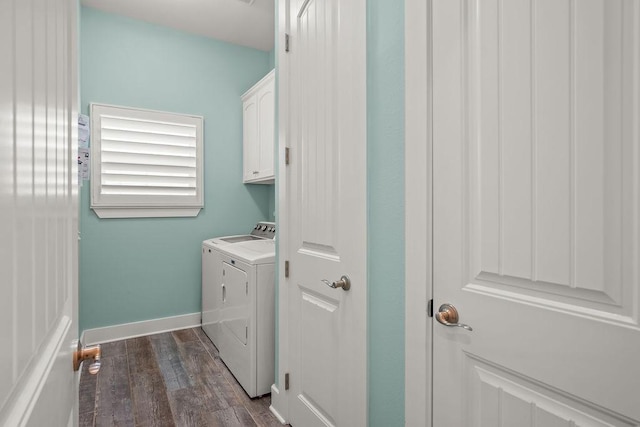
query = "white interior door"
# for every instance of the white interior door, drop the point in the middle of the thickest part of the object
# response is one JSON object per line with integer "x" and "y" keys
{"x": 536, "y": 183}
{"x": 38, "y": 211}
{"x": 326, "y": 210}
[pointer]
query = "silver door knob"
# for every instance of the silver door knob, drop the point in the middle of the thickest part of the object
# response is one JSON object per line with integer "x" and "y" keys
{"x": 448, "y": 316}
{"x": 344, "y": 283}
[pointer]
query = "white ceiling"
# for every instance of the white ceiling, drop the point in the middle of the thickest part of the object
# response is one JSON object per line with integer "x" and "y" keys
{"x": 234, "y": 21}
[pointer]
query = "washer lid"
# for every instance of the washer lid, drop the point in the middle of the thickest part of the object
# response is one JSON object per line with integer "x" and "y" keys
{"x": 261, "y": 251}
{"x": 241, "y": 238}
{"x": 229, "y": 240}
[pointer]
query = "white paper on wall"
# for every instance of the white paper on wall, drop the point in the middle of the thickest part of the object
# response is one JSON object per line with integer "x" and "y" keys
{"x": 84, "y": 131}
{"x": 83, "y": 164}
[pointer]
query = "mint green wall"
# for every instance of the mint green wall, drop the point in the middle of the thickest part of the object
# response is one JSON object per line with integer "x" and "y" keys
{"x": 272, "y": 201}
{"x": 141, "y": 269}
{"x": 137, "y": 269}
{"x": 272, "y": 188}
{"x": 385, "y": 166}
{"x": 385, "y": 182}
{"x": 272, "y": 54}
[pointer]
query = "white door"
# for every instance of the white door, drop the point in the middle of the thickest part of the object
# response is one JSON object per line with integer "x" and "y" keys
{"x": 38, "y": 211}
{"x": 536, "y": 217}
{"x": 326, "y": 209}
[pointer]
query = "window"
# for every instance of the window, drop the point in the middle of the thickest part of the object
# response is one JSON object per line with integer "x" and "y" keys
{"x": 145, "y": 163}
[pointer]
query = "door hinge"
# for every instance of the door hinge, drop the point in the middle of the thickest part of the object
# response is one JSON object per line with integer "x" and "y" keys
{"x": 286, "y": 156}
{"x": 223, "y": 273}
{"x": 430, "y": 308}
{"x": 246, "y": 332}
{"x": 246, "y": 288}
{"x": 286, "y": 42}
{"x": 286, "y": 269}
{"x": 286, "y": 381}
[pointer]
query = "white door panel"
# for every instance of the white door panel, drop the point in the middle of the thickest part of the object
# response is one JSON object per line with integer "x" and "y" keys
{"x": 326, "y": 211}
{"x": 38, "y": 211}
{"x": 536, "y": 165}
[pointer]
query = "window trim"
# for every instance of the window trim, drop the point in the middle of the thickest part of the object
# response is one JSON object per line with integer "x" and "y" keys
{"x": 118, "y": 206}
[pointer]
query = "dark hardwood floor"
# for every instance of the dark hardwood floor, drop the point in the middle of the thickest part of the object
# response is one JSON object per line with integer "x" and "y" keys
{"x": 170, "y": 379}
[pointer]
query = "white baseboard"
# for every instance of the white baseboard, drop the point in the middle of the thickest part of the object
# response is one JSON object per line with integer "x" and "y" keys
{"x": 276, "y": 403}
{"x": 138, "y": 329}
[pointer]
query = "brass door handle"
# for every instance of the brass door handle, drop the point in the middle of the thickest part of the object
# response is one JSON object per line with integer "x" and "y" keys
{"x": 89, "y": 352}
{"x": 448, "y": 316}
{"x": 344, "y": 283}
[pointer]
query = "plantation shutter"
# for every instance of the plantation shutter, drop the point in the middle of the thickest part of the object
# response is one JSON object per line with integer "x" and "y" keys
{"x": 145, "y": 163}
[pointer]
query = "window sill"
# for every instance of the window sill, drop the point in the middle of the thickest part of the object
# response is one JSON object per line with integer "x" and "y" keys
{"x": 145, "y": 212}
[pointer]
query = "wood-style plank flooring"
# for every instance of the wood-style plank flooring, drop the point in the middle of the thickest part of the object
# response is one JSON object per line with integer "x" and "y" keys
{"x": 170, "y": 379}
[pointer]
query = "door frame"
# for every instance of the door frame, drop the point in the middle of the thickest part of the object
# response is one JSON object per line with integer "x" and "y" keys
{"x": 279, "y": 396}
{"x": 418, "y": 212}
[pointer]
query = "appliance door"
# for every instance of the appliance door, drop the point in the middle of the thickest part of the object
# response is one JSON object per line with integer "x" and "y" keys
{"x": 237, "y": 336}
{"x": 235, "y": 302}
{"x": 211, "y": 293}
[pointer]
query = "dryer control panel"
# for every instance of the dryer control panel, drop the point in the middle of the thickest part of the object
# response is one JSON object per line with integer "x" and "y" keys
{"x": 264, "y": 229}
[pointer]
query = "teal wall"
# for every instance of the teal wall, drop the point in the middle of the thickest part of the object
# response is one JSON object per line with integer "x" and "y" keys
{"x": 272, "y": 201}
{"x": 272, "y": 53}
{"x": 272, "y": 188}
{"x": 276, "y": 192}
{"x": 385, "y": 166}
{"x": 141, "y": 269}
{"x": 137, "y": 269}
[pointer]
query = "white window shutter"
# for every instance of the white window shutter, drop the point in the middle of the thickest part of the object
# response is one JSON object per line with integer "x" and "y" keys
{"x": 145, "y": 163}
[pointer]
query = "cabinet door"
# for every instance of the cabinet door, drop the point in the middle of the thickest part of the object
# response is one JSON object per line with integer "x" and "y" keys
{"x": 250, "y": 139}
{"x": 259, "y": 127}
{"x": 266, "y": 126}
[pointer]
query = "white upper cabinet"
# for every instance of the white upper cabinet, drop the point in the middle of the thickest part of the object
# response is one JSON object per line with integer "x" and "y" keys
{"x": 258, "y": 106}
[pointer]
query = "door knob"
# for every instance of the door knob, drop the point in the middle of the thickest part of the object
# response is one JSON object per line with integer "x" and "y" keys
{"x": 344, "y": 283}
{"x": 87, "y": 352}
{"x": 448, "y": 316}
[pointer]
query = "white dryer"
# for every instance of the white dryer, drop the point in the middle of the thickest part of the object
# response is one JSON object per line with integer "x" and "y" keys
{"x": 238, "y": 304}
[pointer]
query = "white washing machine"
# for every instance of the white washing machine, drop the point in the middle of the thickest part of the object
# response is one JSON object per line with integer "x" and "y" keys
{"x": 212, "y": 273}
{"x": 238, "y": 304}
